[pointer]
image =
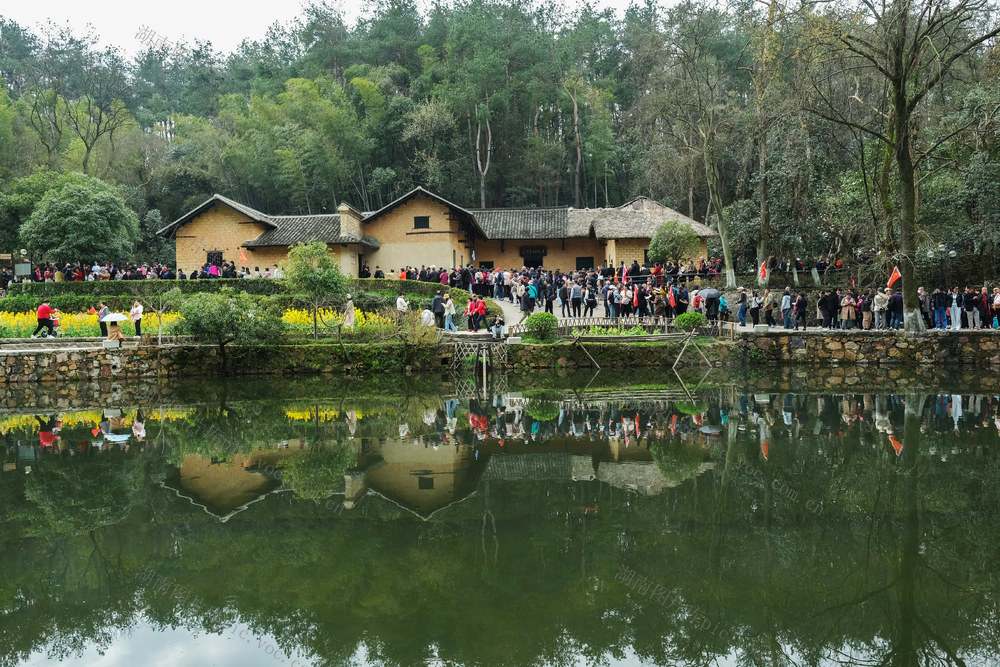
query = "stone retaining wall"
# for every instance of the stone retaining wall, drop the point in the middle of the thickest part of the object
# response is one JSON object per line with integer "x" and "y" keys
{"x": 822, "y": 348}
{"x": 944, "y": 350}
{"x": 965, "y": 348}
{"x": 202, "y": 360}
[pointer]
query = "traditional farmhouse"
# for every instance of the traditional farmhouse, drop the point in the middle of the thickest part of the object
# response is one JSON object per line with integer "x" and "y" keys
{"x": 421, "y": 228}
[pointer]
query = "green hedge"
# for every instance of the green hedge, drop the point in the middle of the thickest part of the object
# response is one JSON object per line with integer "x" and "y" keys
{"x": 369, "y": 295}
{"x": 146, "y": 288}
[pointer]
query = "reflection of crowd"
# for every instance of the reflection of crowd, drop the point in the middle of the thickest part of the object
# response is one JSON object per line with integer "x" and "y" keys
{"x": 113, "y": 431}
{"x": 502, "y": 420}
{"x": 835, "y": 418}
{"x": 764, "y": 417}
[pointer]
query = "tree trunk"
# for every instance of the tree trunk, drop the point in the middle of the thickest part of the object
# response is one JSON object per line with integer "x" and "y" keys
{"x": 765, "y": 208}
{"x": 912, "y": 320}
{"x": 579, "y": 147}
{"x": 483, "y": 165}
{"x": 713, "y": 179}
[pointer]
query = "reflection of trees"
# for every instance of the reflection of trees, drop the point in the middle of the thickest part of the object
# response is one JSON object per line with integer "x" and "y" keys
{"x": 901, "y": 553}
{"x": 79, "y": 495}
{"x": 316, "y": 473}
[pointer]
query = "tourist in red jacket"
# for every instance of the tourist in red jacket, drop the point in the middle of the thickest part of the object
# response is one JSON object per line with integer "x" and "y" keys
{"x": 44, "y": 316}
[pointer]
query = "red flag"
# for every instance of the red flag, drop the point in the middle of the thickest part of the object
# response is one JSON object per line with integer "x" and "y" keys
{"x": 765, "y": 448}
{"x": 673, "y": 301}
{"x": 763, "y": 271}
{"x": 92, "y": 311}
{"x": 896, "y": 444}
{"x": 895, "y": 276}
{"x": 635, "y": 297}
{"x": 243, "y": 258}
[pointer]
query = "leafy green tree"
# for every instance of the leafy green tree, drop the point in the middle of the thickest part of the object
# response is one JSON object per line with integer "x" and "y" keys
{"x": 228, "y": 318}
{"x": 673, "y": 241}
{"x": 20, "y": 200}
{"x": 81, "y": 219}
{"x": 310, "y": 271}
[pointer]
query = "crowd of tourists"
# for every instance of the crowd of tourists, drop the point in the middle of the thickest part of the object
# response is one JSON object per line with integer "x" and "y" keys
{"x": 661, "y": 291}
{"x": 58, "y": 273}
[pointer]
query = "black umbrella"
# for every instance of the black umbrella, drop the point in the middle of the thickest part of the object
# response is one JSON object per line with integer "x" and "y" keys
{"x": 710, "y": 293}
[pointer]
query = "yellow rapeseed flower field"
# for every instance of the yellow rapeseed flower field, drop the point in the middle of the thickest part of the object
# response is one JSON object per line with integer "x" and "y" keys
{"x": 302, "y": 318}
{"x": 20, "y": 325}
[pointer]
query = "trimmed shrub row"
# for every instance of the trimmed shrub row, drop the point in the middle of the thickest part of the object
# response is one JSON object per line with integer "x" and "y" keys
{"x": 416, "y": 293}
{"x": 147, "y": 288}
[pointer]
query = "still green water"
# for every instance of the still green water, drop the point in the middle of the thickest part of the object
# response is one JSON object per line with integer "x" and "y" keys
{"x": 270, "y": 524}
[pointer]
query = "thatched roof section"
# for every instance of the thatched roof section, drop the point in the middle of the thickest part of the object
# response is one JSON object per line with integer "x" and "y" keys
{"x": 638, "y": 218}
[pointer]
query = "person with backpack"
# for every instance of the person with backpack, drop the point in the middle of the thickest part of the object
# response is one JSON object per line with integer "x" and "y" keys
{"x": 939, "y": 302}
{"x": 755, "y": 303}
{"x": 526, "y": 306}
{"x": 589, "y": 302}
{"x": 800, "y": 311}
{"x": 866, "y": 309}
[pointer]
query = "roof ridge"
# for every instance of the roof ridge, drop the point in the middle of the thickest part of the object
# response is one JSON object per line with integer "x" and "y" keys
{"x": 520, "y": 208}
{"x": 305, "y": 215}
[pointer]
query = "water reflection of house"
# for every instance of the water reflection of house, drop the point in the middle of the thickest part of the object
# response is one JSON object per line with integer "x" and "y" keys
{"x": 633, "y": 470}
{"x": 421, "y": 479}
{"x": 226, "y": 488}
{"x": 424, "y": 479}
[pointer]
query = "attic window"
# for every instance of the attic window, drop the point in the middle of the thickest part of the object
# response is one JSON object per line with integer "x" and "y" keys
{"x": 421, "y": 222}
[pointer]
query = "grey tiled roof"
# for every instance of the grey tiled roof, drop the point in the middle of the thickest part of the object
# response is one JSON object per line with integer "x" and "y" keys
{"x": 523, "y": 223}
{"x": 292, "y": 229}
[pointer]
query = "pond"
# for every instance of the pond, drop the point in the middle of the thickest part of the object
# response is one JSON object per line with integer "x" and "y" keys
{"x": 422, "y": 522}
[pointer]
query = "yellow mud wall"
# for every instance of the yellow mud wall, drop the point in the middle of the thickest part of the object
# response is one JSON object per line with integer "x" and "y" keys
{"x": 219, "y": 228}
{"x": 402, "y": 245}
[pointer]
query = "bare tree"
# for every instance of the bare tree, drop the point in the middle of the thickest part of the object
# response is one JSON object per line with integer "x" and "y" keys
{"x": 99, "y": 111}
{"x": 909, "y": 46}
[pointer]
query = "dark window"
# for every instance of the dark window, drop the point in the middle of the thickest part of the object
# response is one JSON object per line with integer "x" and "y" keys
{"x": 425, "y": 482}
{"x": 584, "y": 263}
{"x": 421, "y": 222}
{"x": 215, "y": 257}
{"x": 486, "y": 265}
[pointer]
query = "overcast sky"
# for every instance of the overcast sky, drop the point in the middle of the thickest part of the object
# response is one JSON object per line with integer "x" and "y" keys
{"x": 224, "y": 22}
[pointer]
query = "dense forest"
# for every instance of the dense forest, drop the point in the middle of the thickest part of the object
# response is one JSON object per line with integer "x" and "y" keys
{"x": 797, "y": 130}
